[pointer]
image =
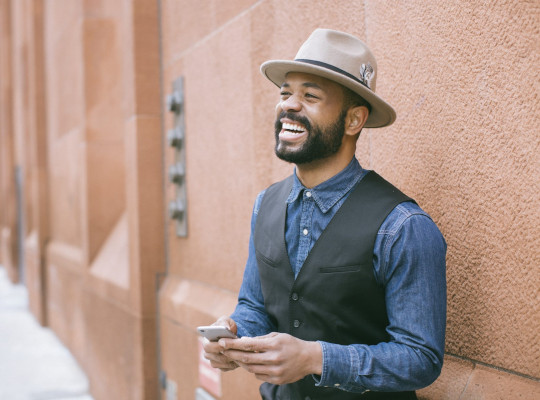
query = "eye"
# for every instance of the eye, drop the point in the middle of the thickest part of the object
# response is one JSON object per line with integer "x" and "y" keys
{"x": 312, "y": 97}
{"x": 284, "y": 94}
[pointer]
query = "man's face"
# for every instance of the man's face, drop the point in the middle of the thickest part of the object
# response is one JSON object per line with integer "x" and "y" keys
{"x": 310, "y": 120}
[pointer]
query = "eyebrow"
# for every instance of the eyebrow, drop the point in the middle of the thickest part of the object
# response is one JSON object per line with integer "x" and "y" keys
{"x": 305, "y": 84}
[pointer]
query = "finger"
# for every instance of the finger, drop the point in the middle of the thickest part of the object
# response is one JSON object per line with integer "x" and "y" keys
{"x": 221, "y": 362}
{"x": 261, "y": 369}
{"x": 244, "y": 344}
{"x": 216, "y": 357}
{"x": 265, "y": 373}
{"x": 251, "y": 368}
{"x": 224, "y": 367}
{"x": 226, "y": 343}
{"x": 211, "y": 347}
{"x": 246, "y": 357}
{"x": 227, "y": 322}
{"x": 267, "y": 336}
{"x": 271, "y": 375}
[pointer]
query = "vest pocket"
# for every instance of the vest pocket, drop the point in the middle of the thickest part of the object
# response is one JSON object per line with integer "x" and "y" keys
{"x": 340, "y": 268}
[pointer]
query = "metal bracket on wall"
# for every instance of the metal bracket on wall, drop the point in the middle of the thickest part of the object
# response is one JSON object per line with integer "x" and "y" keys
{"x": 177, "y": 171}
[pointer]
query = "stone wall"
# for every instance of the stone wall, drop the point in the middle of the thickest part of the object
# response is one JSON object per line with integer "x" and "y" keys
{"x": 83, "y": 118}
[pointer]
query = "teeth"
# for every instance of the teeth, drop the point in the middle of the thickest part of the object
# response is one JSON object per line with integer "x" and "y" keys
{"x": 292, "y": 127}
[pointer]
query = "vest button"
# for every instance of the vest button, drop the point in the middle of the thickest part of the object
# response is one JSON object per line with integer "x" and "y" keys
{"x": 296, "y": 323}
{"x": 294, "y": 296}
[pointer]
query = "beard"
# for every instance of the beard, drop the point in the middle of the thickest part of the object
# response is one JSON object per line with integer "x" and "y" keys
{"x": 321, "y": 142}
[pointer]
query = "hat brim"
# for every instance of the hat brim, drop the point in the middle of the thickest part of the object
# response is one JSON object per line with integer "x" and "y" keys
{"x": 382, "y": 113}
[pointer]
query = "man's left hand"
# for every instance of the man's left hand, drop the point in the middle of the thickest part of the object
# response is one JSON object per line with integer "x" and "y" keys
{"x": 276, "y": 358}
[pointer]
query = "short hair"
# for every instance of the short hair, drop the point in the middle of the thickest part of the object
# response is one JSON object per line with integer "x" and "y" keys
{"x": 352, "y": 99}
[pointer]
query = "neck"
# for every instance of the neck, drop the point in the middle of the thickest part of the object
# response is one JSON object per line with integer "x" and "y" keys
{"x": 316, "y": 172}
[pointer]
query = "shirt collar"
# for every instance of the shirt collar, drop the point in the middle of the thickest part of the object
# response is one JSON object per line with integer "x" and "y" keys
{"x": 328, "y": 193}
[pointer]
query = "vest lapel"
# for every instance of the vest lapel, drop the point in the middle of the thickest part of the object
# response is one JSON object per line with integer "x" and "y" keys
{"x": 272, "y": 247}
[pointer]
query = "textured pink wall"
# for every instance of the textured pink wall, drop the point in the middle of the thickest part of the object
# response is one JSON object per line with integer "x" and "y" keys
{"x": 462, "y": 75}
{"x": 463, "y": 79}
{"x": 94, "y": 141}
{"x": 8, "y": 210}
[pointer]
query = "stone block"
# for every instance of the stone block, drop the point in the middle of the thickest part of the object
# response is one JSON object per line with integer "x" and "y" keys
{"x": 192, "y": 303}
{"x": 64, "y": 68}
{"x": 112, "y": 349}
{"x": 105, "y": 196}
{"x": 104, "y": 84}
{"x": 452, "y": 381}
{"x": 491, "y": 384}
{"x": 145, "y": 70}
{"x": 180, "y": 362}
{"x": 65, "y": 189}
{"x": 35, "y": 278}
{"x": 145, "y": 207}
{"x": 65, "y": 295}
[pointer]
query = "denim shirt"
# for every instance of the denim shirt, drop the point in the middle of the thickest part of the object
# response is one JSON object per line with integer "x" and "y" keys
{"x": 408, "y": 261}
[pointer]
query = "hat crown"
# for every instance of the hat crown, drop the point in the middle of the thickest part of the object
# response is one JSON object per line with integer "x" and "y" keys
{"x": 343, "y": 51}
{"x": 341, "y": 58}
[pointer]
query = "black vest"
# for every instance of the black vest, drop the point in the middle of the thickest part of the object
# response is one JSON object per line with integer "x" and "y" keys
{"x": 335, "y": 297}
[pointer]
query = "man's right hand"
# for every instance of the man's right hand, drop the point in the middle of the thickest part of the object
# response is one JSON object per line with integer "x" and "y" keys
{"x": 213, "y": 350}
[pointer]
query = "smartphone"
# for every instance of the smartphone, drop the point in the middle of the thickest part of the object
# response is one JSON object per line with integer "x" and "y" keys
{"x": 214, "y": 333}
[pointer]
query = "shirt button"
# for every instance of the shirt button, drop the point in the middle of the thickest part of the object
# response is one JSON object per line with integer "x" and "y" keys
{"x": 308, "y": 194}
{"x": 296, "y": 323}
{"x": 305, "y": 232}
{"x": 295, "y": 296}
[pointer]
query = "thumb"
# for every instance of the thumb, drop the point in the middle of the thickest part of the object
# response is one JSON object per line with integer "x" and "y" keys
{"x": 228, "y": 322}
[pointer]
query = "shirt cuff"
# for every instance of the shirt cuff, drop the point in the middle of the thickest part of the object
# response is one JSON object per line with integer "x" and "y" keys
{"x": 339, "y": 366}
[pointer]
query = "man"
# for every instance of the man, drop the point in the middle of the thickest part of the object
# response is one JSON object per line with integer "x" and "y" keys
{"x": 344, "y": 291}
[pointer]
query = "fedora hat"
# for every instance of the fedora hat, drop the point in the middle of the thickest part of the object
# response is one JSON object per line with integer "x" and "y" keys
{"x": 342, "y": 58}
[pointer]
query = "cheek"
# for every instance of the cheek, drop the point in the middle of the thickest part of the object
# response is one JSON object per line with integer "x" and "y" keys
{"x": 330, "y": 115}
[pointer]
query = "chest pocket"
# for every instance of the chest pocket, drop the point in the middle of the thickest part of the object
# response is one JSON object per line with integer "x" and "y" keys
{"x": 341, "y": 269}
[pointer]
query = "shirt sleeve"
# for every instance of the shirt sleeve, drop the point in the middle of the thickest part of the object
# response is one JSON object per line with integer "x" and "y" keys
{"x": 409, "y": 261}
{"x": 250, "y": 314}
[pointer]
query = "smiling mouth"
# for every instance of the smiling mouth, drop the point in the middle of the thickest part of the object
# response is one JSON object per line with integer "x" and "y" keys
{"x": 292, "y": 129}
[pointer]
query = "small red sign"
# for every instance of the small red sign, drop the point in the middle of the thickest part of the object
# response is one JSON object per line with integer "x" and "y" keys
{"x": 209, "y": 377}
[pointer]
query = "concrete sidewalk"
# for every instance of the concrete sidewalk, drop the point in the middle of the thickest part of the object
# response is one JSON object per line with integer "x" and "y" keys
{"x": 34, "y": 364}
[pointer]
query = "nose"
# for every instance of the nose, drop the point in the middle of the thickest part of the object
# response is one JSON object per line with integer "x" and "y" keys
{"x": 290, "y": 104}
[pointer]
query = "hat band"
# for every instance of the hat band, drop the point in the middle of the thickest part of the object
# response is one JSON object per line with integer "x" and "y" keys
{"x": 333, "y": 68}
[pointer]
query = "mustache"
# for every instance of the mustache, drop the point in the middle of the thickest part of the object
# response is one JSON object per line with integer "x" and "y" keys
{"x": 293, "y": 117}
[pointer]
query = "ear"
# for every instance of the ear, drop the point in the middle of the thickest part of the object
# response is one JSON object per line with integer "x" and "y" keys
{"x": 355, "y": 120}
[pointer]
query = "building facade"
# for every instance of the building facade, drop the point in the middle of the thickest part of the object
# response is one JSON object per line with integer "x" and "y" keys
{"x": 136, "y": 134}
